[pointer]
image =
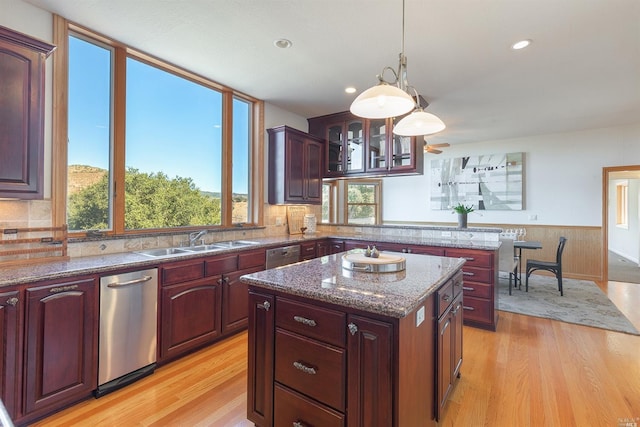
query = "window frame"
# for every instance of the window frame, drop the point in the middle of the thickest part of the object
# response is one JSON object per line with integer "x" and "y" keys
{"x": 377, "y": 183}
{"x": 62, "y": 30}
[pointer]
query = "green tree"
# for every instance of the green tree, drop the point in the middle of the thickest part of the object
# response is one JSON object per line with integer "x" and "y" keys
{"x": 152, "y": 200}
{"x": 360, "y": 199}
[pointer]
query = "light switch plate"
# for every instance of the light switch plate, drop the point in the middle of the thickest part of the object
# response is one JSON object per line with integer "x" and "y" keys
{"x": 420, "y": 316}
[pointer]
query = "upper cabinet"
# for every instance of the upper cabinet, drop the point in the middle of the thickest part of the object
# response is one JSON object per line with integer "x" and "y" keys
{"x": 22, "y": 67}
{"x": 365, "y": 147}
{"x": 295, "y": 167}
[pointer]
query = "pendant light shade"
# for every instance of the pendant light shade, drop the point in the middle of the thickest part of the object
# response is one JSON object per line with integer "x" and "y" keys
{"x": 382, "y": 101}
{"x": 418, "y": 123}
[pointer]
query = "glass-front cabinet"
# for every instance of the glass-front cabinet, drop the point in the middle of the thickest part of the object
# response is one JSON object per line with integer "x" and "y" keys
{"x": 365, "y": 147}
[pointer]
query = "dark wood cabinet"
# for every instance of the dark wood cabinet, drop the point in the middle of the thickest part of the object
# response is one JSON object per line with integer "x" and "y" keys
{"x": 370, "y": 367}
{"x": 11, "y": 305}
{"x": 61, "y": 325}
{"x": 295, "y": 167}
{"x": 365, "y": 147}
{"x": 449, "y": 357}
{"x": 336, "y": 246}
{"x": 191, "y": 316}
{"x": 308, "y": 251}
{"x": 313, "y": 363}
{"x": 480, "y": 275}
{"x": 235, "y": 300}
{"x": 22, "y": 67}
{"x": 261, "y": 341}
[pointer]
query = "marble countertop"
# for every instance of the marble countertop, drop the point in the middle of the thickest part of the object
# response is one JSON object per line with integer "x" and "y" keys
{"x": 14, "y": 275}
{"x": 390, "y": 294}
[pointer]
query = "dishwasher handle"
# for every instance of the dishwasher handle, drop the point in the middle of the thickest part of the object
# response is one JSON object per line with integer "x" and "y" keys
{"x": 130, "y": 282}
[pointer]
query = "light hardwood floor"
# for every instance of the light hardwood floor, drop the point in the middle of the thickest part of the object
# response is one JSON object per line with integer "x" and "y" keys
{"x": 530, "y": 372}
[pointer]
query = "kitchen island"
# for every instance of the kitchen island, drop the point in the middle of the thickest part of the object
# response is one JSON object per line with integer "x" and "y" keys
{"x": 335, "y": 347}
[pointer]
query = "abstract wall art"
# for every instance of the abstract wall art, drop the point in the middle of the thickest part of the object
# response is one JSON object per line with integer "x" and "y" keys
{"x": 488, "y": 182}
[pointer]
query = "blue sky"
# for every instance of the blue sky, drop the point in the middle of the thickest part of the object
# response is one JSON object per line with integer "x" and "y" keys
{"x": 167, "y": 116}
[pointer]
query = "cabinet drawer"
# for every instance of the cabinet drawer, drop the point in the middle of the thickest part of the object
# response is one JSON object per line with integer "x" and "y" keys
{"x": 221, "y": 264}
{"x": 478, "y": 290}
{"x": 475, "y": 274}
{"x": 311, "y": 367}
{"x": 292, "y": 408}
{"x": 478, "y": 309}
{"x": 308, "y": 250}
{"x": 251, "y": 259}
{"x": 445, "y": 297}
{"x": 182, "y": 272}
{"x": 311, "y": 321}
{"x": 475, "y": 258}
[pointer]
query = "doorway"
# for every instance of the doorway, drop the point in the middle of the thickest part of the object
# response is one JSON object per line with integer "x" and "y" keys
{"x": 621, "y": 223}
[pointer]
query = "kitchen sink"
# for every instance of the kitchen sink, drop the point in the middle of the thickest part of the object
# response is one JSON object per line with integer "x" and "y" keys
{"x": 235, "y": 243}
{"x": 217, "y": 246}
{"x": 162, "y": 252}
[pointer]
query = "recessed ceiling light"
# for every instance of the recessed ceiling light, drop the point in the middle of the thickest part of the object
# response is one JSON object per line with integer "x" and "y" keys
{"x": 350, "y": 89}
{"x": 521, "y": 44}
{"x": 282, "y": 43}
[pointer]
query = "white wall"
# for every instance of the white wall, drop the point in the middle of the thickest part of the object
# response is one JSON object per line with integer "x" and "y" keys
{"x": 563, "y": 178}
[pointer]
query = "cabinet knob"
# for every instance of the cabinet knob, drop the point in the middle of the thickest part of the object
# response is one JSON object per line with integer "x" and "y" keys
{"x": 299, "y": 424}
{"x": 265, "y": 305}
{"x": 12, "y": 301}
{"x": 352, "y": 328}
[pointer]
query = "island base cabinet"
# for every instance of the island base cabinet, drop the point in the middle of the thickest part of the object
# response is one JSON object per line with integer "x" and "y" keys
{"x": 369, "y": 366}
{"x": 61, "y": 345}
{"x": 10, "y": 311}
{"x": 260, "y": 369}
{"x": 294, "y": 409}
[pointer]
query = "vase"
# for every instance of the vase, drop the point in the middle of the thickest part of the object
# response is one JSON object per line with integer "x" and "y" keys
{"x": 462, "y": 220}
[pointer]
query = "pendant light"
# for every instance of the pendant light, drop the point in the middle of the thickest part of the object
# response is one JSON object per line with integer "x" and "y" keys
{"x": 390, "y": 99}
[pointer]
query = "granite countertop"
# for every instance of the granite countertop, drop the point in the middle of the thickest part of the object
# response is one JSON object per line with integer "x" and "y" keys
{"x": 390, "y": 294}
{"x": 14, "y": 275}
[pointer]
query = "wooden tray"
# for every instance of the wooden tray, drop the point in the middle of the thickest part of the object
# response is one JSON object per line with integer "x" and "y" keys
{"x": 385, "y": 263}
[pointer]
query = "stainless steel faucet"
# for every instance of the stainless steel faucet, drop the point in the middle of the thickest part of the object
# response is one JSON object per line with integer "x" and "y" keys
{"x": 194, "y": 236}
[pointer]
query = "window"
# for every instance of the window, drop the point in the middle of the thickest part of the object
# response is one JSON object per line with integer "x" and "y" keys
{"x": 362, "y": 201}
{"x": 157, "y": 132}
{"x": 622, "y": 204}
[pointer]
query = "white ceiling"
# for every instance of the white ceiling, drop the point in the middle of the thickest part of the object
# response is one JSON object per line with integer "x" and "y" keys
{"x": 582, "y": 70}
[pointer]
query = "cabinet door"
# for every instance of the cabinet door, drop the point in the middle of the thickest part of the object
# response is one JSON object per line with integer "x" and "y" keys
{"x": 10, "y": 356}
{"x": 377, "y": 142}
{"x": 444, "y": 362}
{"x": 235, "y": 301}
{"x": 22, "y": 61}
{"x": 295, "y": 174}
{"x": 260, "y": 368}
{"x": 323, "y": 248}
{"x": 336, "y": 246}
{"x": 61, "y": 344}
{"x": 370, "y": 371}
{"x": 335, "y": 149}
{"x": 457, "y": 320}
{"x": 313, "y": 173}
{"x": 355, "y": 146}
{"x": 190, "y": 316}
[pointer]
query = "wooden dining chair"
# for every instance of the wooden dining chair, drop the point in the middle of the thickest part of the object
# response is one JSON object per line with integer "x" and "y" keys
{"x": 554, "y": 267}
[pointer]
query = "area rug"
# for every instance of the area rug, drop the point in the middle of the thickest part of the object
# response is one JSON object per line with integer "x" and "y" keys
{"x": 583, "y": 303}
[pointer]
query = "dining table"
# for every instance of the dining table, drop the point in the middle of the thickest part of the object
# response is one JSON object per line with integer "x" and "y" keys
{"x": 518, "y": 246}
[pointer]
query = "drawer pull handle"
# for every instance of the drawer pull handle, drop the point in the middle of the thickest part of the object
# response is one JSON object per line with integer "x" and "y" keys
{"x": 12, "y": 301}
{"x": 352, "y": 328}
{"x": 468, "y": 308}
{"x": 304, "y": 320}
{"x": 63, "y": 289}
{"x": 304, "y": 368}
{"x": 446, "y": 297}
{"x": 467, "y": 288}
{"x": 467, "y": 273}
{"x": 265, "y": 305}
{"x": 469, "y": 258}
{"x": 299, "y": 424}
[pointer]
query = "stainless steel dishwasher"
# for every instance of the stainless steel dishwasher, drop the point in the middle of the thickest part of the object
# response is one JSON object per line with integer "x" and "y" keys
{"x": 282, "y": 256}
{"x": 128, "y": 325}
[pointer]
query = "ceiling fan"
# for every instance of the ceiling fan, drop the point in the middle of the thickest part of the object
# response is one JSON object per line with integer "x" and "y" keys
{"x": 433, "y": 148}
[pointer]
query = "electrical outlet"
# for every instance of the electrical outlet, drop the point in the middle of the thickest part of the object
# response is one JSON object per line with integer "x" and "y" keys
{"x": 420, "y": 316}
